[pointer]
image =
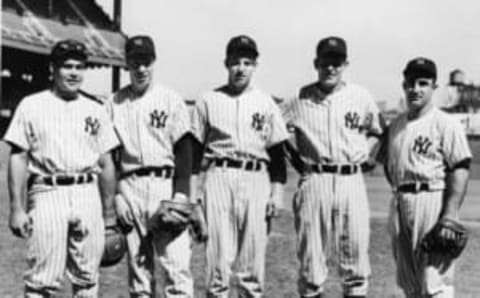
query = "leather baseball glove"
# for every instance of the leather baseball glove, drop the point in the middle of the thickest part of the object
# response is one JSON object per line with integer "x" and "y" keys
{"x": 173, "y": 217}
{"x": 448, "y": 236}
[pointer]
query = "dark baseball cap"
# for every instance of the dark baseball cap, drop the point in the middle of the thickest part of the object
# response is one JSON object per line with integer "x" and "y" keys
{"x": 68, "y": 49}
{"x": 332, "y": 47}
{"x": 242, "y": 44}
{"x": 140, "y": 46}
{"x": 421, "y": 67}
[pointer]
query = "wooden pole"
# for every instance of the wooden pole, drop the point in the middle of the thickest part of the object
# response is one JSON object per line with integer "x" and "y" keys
{"x": 117, "y": 20}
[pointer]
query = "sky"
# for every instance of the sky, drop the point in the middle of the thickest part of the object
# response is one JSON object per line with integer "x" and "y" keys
{"x": 381, "y": 35}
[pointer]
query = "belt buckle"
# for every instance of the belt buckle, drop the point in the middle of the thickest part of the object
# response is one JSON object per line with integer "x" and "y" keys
{"x": 344, "y": 169}
{"x": 53, "y": 178}
{"x": 418, "y": 186}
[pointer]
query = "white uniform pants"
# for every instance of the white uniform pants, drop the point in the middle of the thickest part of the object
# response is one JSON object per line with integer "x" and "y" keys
{"x": 68, "y": 235}
{"x": 235, "y": 211}
{"x": 331, "y": 211}
{"x": 143, "y": 195}
{"x": 418, "y": 274}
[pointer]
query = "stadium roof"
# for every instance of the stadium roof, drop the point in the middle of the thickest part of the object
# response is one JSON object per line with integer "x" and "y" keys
{"x": 36, "y": 25}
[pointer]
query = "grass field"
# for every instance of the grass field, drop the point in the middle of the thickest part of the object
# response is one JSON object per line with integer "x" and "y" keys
{"x": 281, "y": 257}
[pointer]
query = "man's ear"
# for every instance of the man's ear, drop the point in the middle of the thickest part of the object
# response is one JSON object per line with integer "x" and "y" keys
{"x": 315, "y": 63}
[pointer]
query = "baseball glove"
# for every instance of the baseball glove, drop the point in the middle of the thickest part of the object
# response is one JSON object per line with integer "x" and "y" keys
{"x": 115, "y": 246}
{"x": 174, "y": 217}
{"x": 453, "y": 245}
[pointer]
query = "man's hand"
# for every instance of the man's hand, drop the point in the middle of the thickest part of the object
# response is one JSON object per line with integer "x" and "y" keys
{"x": 20, "y": 223}
{"x": 124, "y": 213}
{"x": 199, "y": 224}
{"x": 273, "y": 203}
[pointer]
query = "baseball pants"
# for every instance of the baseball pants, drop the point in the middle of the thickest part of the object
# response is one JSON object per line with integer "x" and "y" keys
{"x": 419, "y": 274}
{"x": 145, "y": 249}
{"x": 235, "y": 203}
{"x": 68, "y": 235}
{"x": 331, "y": 211}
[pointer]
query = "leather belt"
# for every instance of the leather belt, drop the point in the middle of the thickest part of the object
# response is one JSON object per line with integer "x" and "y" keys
{"x": 247, "y": 165}
{"x": 163, "y": 172}
{"x": 339, "y": 169}
{"x": 64, "y": 179}
{"x": 414, "y": 187}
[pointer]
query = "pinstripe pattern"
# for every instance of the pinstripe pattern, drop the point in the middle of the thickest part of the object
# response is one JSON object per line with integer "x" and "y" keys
{"x": 63, "y": 137}
{"x": 449, "y": 146}
{"x": 67, "y": 235}
{"x": 56, "y": 135}
{"x": 411, "y": 217}
{"x": 320, "y": 126}
{"x": 332, "y": 210}
{"x": 143, "y": 143}
{"x": 144, "y": 195}
{"x": 235, "y": 209}
{"x": 148, "y": 128}
{"x": 236, "y": 199}
{"x": 224, "y": 124}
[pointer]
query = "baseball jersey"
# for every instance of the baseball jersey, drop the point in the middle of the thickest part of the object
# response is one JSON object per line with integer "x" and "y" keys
{"x": 148, "y": 126}
{"x": 61, "y": 136}
{"x": 333, "y": 128}
{"x": 420, "y": 150}
{"x": 238, "y": 127}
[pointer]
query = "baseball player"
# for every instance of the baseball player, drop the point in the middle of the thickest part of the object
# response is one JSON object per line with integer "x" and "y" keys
{"x": 427, "y": 161}
{"x": 155, "y": 160}
{"x": 335, "y": 123}
{"x": 240, "y": 133}
{"x": 61, "y": 140}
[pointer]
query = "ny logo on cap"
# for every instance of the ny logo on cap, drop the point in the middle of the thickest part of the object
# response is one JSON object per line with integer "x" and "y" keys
{"x": 138, "y": 42}
{"x": 421, "y": 61}
{"x": 332, "y": 42}
{"x": 244, "y": 40}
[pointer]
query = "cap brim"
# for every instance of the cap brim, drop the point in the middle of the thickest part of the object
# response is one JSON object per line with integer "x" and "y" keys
{"x": 332, "y": 54}
{"x": 243, "y": 52}
{"x": 70, "y": 55}
{"x": 419, "y": 73}
{"x": 140, "y": 55}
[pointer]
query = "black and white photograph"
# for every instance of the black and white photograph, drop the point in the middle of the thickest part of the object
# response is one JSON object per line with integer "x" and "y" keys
{"x": 240, "y": 149}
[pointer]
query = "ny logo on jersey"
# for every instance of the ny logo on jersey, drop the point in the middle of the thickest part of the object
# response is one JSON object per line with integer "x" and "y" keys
{"x": 421, "y": 145}
{"x": 92, "y": 125}
{"x": 258, "y": 121}
{"x": 352, "y": 120}
{"x": 157, "y": 119}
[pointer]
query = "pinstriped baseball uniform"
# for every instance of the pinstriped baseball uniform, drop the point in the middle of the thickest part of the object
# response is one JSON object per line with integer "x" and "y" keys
{"x": 420, "y": 150}
{"x": 238, "y": 128}
{"x": 63, "y": 137}
{"x": 333, "y": 130}
{"x": 148, "y": 128}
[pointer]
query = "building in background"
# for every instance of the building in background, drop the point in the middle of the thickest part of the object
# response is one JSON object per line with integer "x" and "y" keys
{"x": 31, "y": 27}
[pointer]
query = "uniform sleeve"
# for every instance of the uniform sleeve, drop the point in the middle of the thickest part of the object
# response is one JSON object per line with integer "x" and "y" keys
{"x": 180, "y": 121}
{"x": 20, "y": 128}
{"x": 455, "y": 144}
{"x": 279, "y": 127}
{"x": 107, "y": 138}
{"x": 374, "y": 123}
{"x": 200, "y": 120}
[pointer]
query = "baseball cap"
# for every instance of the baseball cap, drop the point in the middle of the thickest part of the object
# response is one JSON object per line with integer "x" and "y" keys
{"x": 420, "y": 67}
{"x": 68, "y": 48}
{"x": 332, "y": 47}
{"x": 140, "y": 46}
{"x": 242, "y": 44}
